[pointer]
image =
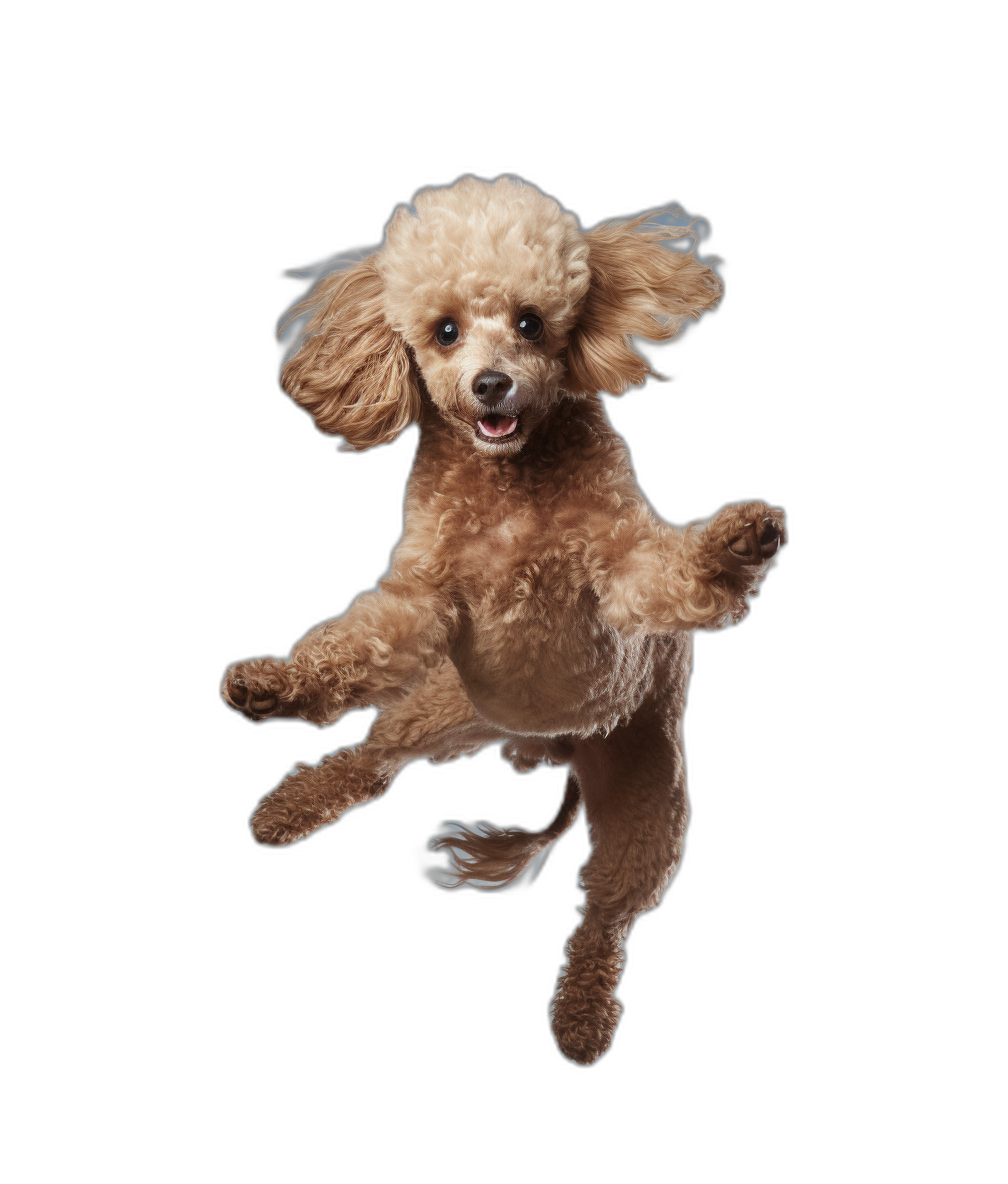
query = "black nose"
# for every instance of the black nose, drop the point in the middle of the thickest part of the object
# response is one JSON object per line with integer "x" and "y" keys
{"x": 491, "y": 386}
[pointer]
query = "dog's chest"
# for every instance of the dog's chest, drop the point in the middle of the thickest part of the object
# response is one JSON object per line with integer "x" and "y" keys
{"x": 491, "y": 549}
{"x": 523, "y": 565}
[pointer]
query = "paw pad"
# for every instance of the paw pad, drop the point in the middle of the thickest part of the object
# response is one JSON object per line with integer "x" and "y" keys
{"x": 753, "y": 548}
{"x": 258, "y": 689}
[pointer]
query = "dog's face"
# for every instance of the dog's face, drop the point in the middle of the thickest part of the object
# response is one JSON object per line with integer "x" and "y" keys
{"x": 491, "y": 299}
{"x": 484, "y": 283}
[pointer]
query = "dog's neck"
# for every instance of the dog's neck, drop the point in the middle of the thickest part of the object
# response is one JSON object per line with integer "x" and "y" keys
{"x": 573, "y": 447}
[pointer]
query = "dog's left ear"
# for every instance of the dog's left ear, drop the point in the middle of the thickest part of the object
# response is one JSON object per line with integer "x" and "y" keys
{"x": 639, "y": 288}
{"x": 353, "y": 371}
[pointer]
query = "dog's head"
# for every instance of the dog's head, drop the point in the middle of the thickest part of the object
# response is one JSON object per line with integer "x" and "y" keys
{"x": 491, "y": 299}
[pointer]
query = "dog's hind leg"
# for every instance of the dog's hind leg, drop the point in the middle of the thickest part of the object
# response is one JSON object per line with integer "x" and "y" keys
{"x": 435, "y": 720}
{"x": 633, "y": 784}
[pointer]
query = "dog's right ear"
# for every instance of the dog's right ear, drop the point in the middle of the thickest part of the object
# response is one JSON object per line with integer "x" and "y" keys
{"x": 353, "y": 371}
{"x": 639, "y": 288}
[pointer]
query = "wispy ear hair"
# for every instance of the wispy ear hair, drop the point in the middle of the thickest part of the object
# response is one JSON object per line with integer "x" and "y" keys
{"x": 639, "y": 288}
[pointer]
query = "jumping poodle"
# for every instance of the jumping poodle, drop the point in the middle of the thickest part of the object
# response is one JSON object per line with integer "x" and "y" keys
{"x": 534, "y": 598}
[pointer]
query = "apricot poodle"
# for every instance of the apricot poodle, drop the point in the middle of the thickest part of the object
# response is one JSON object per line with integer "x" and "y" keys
{"x": 534, "y": 598}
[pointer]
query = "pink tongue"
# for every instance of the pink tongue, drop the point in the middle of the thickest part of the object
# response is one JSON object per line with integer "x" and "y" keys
{"x": 503, "y": 427}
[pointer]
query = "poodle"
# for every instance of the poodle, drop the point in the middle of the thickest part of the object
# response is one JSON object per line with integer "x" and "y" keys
{"x": 534, "y": 598}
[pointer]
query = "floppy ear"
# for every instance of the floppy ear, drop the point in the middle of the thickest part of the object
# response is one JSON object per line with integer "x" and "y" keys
{"x": 353, "y": 371}
{"x": 639, "y": 288}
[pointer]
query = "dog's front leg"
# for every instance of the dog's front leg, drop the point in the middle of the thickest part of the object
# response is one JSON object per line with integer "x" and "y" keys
{"x": 373, "y": 654}
{"x": 651, "y": 576}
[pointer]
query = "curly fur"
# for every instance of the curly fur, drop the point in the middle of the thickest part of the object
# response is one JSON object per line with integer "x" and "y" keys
{"x": 534, "y": 598}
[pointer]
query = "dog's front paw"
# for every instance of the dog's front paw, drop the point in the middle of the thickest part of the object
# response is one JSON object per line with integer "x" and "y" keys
{"x": 743, "y": 539}
{"x": 268, "y": 687}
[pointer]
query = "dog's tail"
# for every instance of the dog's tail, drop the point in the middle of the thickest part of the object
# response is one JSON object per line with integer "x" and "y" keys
{"x": 490, "y": 858}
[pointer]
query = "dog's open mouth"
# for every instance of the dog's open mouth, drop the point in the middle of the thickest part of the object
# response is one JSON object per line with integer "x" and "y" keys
{"x": 497, "y": 427}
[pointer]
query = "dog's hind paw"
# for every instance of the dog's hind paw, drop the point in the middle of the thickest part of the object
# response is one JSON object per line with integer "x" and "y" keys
{"x": 585, "y": 1010}
{"x": 279, "y": 819}
{"x": 584, "y": 1027}
{"x": 315, "y": 795}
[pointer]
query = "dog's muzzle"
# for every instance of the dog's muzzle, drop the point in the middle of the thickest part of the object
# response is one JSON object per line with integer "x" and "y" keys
{"x": 499, "y": 393}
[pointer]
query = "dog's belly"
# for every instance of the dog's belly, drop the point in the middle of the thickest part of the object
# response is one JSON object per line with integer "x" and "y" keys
{"x": 544, "y": 664}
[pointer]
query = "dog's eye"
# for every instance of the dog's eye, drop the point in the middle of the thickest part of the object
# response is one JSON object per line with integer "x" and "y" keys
{"x": 530, "y": 326}
{"x": 447, "y": 332}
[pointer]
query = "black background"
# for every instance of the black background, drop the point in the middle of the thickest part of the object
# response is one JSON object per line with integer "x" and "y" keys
{"x": 340, "y": 945}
